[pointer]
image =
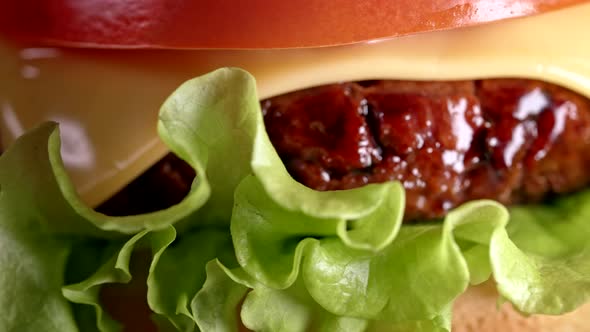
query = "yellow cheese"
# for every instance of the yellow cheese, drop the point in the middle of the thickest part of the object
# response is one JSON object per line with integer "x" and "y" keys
{"x": 107, "y": 100}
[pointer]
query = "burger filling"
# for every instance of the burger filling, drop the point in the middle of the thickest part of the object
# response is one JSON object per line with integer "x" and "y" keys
{"x": 512, "y": 140}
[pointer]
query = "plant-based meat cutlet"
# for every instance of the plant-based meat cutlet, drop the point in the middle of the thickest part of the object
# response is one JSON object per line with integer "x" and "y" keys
{"x": 514, "y": 141}
{"x": 511, "y": 140}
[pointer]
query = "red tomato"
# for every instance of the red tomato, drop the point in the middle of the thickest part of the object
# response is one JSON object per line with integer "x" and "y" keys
{"x": 244, "y": 24}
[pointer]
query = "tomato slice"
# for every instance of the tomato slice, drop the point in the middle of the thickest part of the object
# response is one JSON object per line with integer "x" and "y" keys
{"x": 244, "y": 24}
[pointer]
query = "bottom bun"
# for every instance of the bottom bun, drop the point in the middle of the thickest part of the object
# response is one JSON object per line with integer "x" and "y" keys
{"x": 477, "y": 310}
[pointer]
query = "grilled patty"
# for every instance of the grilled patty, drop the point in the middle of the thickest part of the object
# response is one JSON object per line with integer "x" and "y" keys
{"x": 511, "y": 140}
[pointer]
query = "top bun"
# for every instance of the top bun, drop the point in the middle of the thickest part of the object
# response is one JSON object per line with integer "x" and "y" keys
{"x": 235, "y": 24}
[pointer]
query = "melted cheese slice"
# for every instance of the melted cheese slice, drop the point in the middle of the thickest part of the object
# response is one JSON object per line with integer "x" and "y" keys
{"x": 107, "y": 101}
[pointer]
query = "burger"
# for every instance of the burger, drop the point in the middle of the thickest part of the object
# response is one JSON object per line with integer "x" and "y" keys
{"x": 294, "y": 166}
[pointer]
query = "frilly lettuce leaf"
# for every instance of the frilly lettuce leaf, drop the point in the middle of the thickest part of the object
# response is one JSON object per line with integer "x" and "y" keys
{"x": 191, "y": 131}
{"x": 292, "y": 309}
{"x": 32, "y": 260}
{"x": 267, "y": 237}
{"x": 214, "y": 134}
{"x": 250, "y": 242}
{"x": 546, "y": 245}
{"x": 42, "y": 185}
{"x": 177, "y": 276}
{"x": 116, "y": 270}
{"x": 217, "y": 304}
{"x": 365, "y": 284}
